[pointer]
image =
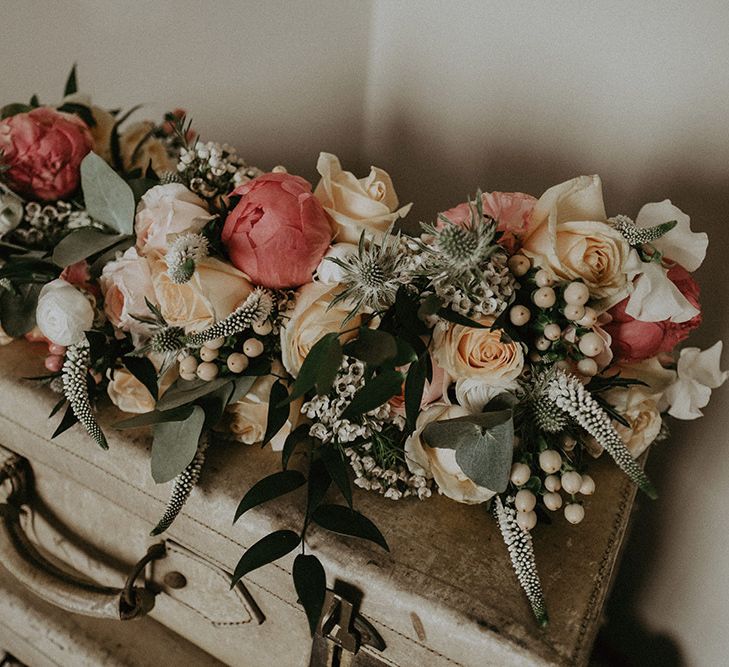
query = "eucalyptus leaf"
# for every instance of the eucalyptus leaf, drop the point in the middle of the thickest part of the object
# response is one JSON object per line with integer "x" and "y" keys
{"x": 17, "y": 310}
{"x": 346, "y": 521}
{"x": 188, "y": 391}
{"x": 215, "y": 402}
{"x": 268, "y": 488}
{"x": 377, "y": 391}
{"x": 268, "y": 549}
{"x": 155, "y": 417}
{"x": 483, "y": 443}
{"x": 107, "y": 196}
{"x": 175, "y": 444}
{"x": 82, "y": 243}
{"x": 311, "y": 586}
{"x": 278, "y": 411}
{"x": 241, "y": 386}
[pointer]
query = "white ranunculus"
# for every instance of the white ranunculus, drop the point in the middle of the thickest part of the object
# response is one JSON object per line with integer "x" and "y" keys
{"x": 63, "y": 313}
{"x": 680, "y": 244}
{"x": 165, "y": 210}
{"x": 655, "y": 298}
{"x": 11, "y": 211}
{"x": 473, "y": 394}
{"x": 357, "y": 204}
{"x": 330, "y": 273}
{"x": 440, "y": 463}
{"x": 698, "y": 373}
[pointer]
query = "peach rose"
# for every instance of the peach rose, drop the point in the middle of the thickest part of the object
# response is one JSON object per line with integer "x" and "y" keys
{"x": 640, "y": 408}
{"x": 247, "y": 418}
{"x": 483, "y": 354}
{"x": 310, "y": 320}
{"x": 356, "y": 205}
{"x": 125, "y": 283}
{"x": 130, "y": 395}
{"x": 440, "y": 463}
{"x": 139, "y": 148}
{"x": 570, "y": 236}
{"x": 215, "y": 290}
{"x": 168, "y": 210}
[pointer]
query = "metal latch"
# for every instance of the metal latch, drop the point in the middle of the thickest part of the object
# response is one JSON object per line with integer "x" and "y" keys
{"x": 340, "y": 635}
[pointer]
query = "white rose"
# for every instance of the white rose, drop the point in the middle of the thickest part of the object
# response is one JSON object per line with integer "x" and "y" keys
{"x": 168, "y": 209}
{"x": 329, "y": 272}
{"x": 357, "y": 205}
{"x": 63, "y": 313}
{"x": 640, "y": 408}
{"x": 698, "y": 373}
{"x": 11, "y": 211}
{"x": 440, "y": 463}
{"x": 247, "y": 418}
{"x": 473, "y": 394}
{"x": 310, "y": 320}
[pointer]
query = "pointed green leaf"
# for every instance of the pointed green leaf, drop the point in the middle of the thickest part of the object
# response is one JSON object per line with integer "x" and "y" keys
{"x": 175, "y": 444}
{"x": 319, "y": 482}
{"x": 372, "y": 346}
{"x": 68, "y": 420}
{"x": 346, "y": 521}
{"x": 268, "y": 549}
{"x": 338, "y": 470}
{"x": 71, "y": 83}
{"x": 278, "y": 411}
{"x": 414, "y": 387}
{"x": 311, "y": 586}
{"x": 143, "y": 369}
{"x": 107, "y": 196}
{"x": 155, "y": 417}
{"x": 377, "y": 391}
{"x": 13, "y": 109}
{"x": 320, "y": 367}
{"x": 297, "y": 437}
{"x": 188, "y": 391}
{"x": 268, "y": 488}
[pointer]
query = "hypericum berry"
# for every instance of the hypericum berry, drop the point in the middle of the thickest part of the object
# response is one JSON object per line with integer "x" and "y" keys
{"x": 550, "y": 461}
{"x": 253, "y": 348}
{"x": 519, "y": 315}
{"x": 573, "y": 312}
{"x": 543, "y": 278}
{"x": 587, "y": 367}
{"x": 591, "y": 344}
{"x": 237, "y": 362}
{"x": 552, "y": 332}
{"x": 544, "y": 297}
{"x": 571, "y": 482}
{"x": 525, "y": 501}
{"x": 574, "y": 513}
{"x": 520, "y": 474}
{"x": 519, "y": 265}
{"x": 207, "y": 371}
{"x": 542, "y": 344}
{"x": 552, "y": 483}
{"x": 263, "y": 328}
{"x": 552, "y": 501}
{"x": 577, "y": 293}
{"x": 526, "y": 520}
{"x": 589, "y": 319}
{"x": 587, "y": 488}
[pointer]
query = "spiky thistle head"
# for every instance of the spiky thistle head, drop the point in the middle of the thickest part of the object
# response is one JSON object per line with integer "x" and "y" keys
{"x": 372, "y": 275}
{"x": 184, "y": 252}
{"x": 169, "y": 339}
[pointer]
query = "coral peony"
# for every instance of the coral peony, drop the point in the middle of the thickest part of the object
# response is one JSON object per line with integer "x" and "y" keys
{"x": 278, "y": 232}
{"x": 634, "y": 340}
{"x": 43, "y": 150}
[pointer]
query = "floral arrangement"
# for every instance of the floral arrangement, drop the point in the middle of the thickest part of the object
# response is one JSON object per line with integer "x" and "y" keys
{"x": 488, "y": 357}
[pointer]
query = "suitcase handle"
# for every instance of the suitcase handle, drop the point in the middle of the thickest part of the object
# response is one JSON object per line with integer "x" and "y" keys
{"x": 23, "y": 560}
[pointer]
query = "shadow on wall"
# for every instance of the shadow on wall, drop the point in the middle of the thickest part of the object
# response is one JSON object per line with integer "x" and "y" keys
{"x": 435, "y": 179}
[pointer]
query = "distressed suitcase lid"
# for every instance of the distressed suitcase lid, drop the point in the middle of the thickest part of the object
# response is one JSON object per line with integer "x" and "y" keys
{"x": 445, "y": 594}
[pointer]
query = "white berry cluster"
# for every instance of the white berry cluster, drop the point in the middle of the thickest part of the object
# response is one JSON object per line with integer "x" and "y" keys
{"x": 212, "y": 169}
{"x": 326, "y": 411}
{"x": 394, "y": 482}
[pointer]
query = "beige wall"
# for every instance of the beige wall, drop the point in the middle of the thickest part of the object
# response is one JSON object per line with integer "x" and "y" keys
{"x": 450, "y": 97}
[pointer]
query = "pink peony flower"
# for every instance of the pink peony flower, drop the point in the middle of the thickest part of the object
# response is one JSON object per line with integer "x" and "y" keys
{"x": 511, "y": 210}
{"x": 43, "y": 150}
{"x": 278, "y": 232}
{"x": 633, "y": 340}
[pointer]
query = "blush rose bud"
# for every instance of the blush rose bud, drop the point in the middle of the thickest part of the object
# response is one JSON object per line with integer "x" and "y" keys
{"x": 278, "y": 232}
{"x": 43, "y": 150}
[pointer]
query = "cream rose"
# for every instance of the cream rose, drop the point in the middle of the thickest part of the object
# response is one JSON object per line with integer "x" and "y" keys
{"x": 640, "y": 409}
{"x": 215, "y": 290}
{"x": 440, "y": 463}
{"x": 167, "y": 210}
{"x": 478, "y": 354}
{"x": 570, "y": 236}
{"x": 356, "y": 205}
{"x": 310, "y": 320}
{"x": 247, "y": 418}
{"x": 130, "y": 395}
{"x": 125, "y": 283}
{"x": 63, "y": 313}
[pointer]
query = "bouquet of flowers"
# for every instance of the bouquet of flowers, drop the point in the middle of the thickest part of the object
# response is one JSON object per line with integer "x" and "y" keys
{"x": 488, "y": 357}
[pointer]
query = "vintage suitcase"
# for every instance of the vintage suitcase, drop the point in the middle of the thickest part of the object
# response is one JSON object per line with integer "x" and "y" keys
{"x": 444, "y": 595}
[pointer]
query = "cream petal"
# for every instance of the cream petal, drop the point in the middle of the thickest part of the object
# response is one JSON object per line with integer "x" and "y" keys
{"x": 579, "y": 199}
{"x": 680, "y": 244}
{"x": 703, "y": 367}
{"x": 655, "y": 298}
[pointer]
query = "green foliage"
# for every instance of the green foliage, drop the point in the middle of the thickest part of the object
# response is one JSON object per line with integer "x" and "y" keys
{"x": 377, "y": 391}
{"x": 338, "y": 470}
{"x": 268, "y": 488}
{"x": 143, "y": 369}
{"x": 155, "y": 417}
{"x": 71, "y": 83}
{"x": 319, "y": 482}
{"x": 188, "y": 391}
{"x": 457, "y": 318}
{"x": 268, "y": 549}
{"x": 319, "y": 368}
{"x": 175, "y": 444}
{"x": 311, "y": 584}
{"x": 346, "y": 521}
{"x": 483, "y": 443}
{"x": 14, "y": 109}
{"x": 414, "y": 387}
{"x": 68, "y": 420}
{"x": 278, "y": 411}
{"x": 300, "y": 435}
{"x": 107, "y": 196}
{"x": 17, "y": 309}
{"x": 372, "y": 346}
